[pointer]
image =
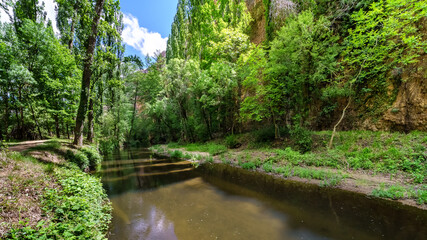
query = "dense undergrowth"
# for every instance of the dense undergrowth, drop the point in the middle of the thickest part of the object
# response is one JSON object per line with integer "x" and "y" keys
{"x": 77, "y": 205}
{"x": 397, "y": 155}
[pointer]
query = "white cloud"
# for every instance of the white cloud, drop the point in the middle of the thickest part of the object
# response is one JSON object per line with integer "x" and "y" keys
{"x": 51, "y": 13}
{"x": 141, "y": 38}
{"x": 49, "y": 8}
{"x": 3, "y": 15}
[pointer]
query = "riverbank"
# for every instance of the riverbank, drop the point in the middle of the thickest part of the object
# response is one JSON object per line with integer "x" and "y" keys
{"x": 378, "y": 164}
{"x": 46, "y": 193}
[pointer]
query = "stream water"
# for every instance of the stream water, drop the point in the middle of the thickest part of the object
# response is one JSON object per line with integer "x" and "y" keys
{"x": 160, "y": 198}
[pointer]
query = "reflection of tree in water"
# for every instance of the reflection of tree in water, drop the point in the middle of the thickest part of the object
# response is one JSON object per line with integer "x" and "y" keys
{"x": 156, "y": 226}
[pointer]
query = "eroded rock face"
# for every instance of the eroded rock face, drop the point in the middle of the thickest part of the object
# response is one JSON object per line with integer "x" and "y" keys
{"x": 409, "y": 111}
{"x": 256, "y": 8}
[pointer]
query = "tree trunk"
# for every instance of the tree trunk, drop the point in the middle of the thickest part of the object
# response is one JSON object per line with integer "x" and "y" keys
{"x": 48, "y": 129}
{"x": 90, "y": 133}
{"x": 87, "y": 73}
{"x": 58, "y": 133}
{"x": 6, "y": 116}
{"x": 68, "y": 132}
{"x": 21, "y": 113}
{"x": 134, "y": 111}
{"x": 72, "y": 30}
{"x": 37, "y": 122}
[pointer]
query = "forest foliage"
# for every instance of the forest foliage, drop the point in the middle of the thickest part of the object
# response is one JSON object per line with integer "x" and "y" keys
{"x": 211, "y": 81}
{"x": 318, "y": 56}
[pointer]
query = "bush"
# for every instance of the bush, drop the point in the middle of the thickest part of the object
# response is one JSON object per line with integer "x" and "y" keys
{"x": 93, "y": 155}
{"x": 78, "y": 158}
{"x": 232, "y": 142}
{"x": 106, "y": 146}
{"x": 301, "y": 138}
{"x": 266, "y": 134}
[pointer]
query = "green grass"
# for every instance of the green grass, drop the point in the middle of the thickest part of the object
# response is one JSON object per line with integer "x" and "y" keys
{"x": 393, "y": 192}
{"x": 419, "y": 193}
{"x": 376, "y": 151}
{"x": 51, "y": 146}
{"x": 211, "y": 148}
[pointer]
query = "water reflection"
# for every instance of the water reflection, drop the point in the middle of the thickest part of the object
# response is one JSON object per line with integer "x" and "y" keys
{"x": 196, "y": 210}
{"x": 166, "y": 199}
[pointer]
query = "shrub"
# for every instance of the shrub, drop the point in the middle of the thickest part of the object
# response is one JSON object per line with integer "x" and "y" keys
{"x": 106, "y": 146}
{"x": 301, "y": 138}
{"x": 232, "y": 142}
{"x": 79, "y": 158}
{"x": 93, "y": 155}
{"x": 266, "y": 134}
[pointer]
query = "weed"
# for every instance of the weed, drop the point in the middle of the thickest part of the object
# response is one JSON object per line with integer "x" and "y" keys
{"x": 393, "y": 192}
{"x": 209, "y": 159}
{"x": 421, "y": 195}
{"x": 49, "y": 168}
{"x": 267, "y": 167}
{"x": 177, "y": 154}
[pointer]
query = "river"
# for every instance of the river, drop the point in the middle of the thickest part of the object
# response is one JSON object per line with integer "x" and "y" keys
{"x": 160, "y": 198}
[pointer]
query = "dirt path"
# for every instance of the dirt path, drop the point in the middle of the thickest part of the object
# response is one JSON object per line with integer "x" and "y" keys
{"x": 22, "y": 146}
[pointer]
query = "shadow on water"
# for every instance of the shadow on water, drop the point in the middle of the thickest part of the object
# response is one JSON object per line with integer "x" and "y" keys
{"x": 160, "y": 198}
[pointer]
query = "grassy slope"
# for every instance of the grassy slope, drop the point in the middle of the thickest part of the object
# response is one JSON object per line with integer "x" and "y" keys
{"x": 48, "y": 197}
{"x": 390, "y": 165}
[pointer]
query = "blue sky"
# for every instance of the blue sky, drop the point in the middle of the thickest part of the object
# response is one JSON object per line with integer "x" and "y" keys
{"x": 147, "y": 25}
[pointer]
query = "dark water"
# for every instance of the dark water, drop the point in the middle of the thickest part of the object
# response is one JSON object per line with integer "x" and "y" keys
{"x": 160, "y": 198}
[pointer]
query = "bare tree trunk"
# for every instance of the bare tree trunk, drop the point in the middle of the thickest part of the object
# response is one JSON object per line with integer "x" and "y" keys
{"x": 338, "y": 123}
{"x": 90, "y": 133}
{"x": 87, "y": 73}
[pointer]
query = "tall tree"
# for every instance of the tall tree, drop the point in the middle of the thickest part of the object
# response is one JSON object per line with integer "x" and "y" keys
{"x": 87, "y": 74}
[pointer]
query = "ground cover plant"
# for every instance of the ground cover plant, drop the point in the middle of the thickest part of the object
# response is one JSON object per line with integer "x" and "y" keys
{"x": 44, "y": 199}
